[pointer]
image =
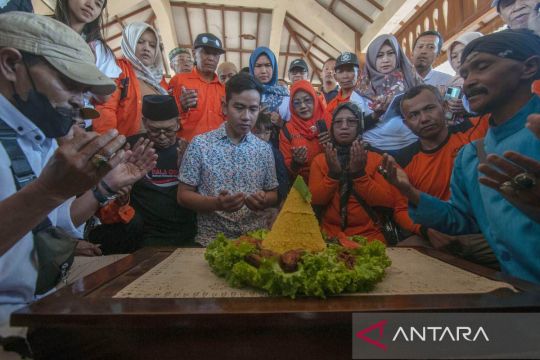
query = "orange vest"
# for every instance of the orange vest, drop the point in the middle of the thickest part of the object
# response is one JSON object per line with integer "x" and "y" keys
{"x": 207, "y": 115}
{"x": 297, "y": 140}
{"x": 332, "y": 105}
{"x": 371, "y": 186}
{"x": 123, "y": 110}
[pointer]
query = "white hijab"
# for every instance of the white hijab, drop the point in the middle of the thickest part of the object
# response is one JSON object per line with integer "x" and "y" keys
{"x": 152, "y": 74}
{"x": 464, "y": 39}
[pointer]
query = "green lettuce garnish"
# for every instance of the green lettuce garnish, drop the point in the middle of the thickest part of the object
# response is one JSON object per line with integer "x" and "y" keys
{"x": 300, "y": 185}
{"x": 319, "y": 274}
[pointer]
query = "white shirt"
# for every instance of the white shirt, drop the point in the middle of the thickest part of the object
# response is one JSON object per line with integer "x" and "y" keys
{"x": 437, "y": 78}
{"x": 18, "y": 272}
{"x": 390, "y": 133}
{"x": 105, "y": 61}
{"x": 284, "y": 109}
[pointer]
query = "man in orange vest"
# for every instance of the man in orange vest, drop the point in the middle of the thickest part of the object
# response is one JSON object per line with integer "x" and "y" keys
{"x": 199, "y": 93}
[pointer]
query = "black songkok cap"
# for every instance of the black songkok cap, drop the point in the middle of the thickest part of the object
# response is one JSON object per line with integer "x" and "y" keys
{"x": 517, "y": 45}
{"x": 159, "y": 107}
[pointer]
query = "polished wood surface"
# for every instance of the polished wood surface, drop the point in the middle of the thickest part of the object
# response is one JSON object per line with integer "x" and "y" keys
{"x": 84, "y": 319}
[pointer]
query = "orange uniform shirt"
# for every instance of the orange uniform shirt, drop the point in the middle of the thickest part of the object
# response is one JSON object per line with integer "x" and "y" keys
{"x": 123, "y": 110}
{"x": 332, "y": 105}
{"x": 207, "y": 115}
{"x": 371, "y": 186}
{"x": 431, "y": 171}
{"x": 297, "y": 140}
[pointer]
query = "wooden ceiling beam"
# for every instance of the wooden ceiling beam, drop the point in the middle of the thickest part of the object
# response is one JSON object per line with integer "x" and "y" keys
{"x": 315, "y": 46}
{"x": 188, "y": 26}
{"x": 308, "y": 29}
{"x": 287, "y": 56}
{"x": 111, "y": 38}
{"x": 311, "y": 43}
{"x": 279, "y": 13}
{"x": 376, "y": 4}
{"x": 299, "y": 43}
{"x": 205, "y": 20}
{"x": 321, "y": 22}
{"x": 127, "y": 16}
{"x": 219, "y": 7}
{"x": 120, "y": 22}
{"x": 241, "y": 38}
{"x": 330, "y": 6}
{"x": 357, "y": 11}
{"x": 288, "y": 53}
{"x": 257, "y": 31}
{"x": 224, "y": 29}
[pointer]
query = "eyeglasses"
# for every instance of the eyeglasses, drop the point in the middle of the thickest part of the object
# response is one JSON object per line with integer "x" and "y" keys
{"x": 158, "y": 132}
{"x": 351, "y": 122}
{"x": 298, "y": 102}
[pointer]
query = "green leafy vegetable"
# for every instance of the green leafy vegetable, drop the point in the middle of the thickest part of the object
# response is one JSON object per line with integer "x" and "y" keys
{"x": 302, "y": 188}
{"x": 319, "y": 274}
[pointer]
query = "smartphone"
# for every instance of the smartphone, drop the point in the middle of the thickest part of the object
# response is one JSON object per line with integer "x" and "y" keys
{"x": 452, "y": 93}
{"x": 321, "y": 126}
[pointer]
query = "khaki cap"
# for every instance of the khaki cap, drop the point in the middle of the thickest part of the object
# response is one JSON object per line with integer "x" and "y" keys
{"x": 62, "y": 47}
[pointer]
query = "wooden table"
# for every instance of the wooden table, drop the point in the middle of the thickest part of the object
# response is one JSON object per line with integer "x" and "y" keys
{"x": 84, "y": 321}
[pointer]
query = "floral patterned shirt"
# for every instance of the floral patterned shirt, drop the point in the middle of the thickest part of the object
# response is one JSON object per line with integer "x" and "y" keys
{"x": 213, "y": 163}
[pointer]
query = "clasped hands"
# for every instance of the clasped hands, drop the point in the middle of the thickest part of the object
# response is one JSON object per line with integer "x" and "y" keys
{"x": 228, "y": 202}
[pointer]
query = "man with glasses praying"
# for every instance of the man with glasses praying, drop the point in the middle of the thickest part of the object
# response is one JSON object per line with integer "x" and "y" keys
{"x": 154, "y": 196}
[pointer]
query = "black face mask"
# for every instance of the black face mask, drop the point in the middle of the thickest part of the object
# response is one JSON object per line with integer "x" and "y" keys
{"x": 54, "y": 122}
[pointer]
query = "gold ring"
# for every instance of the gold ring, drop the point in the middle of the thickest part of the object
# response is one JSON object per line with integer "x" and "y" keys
{"x": 382, "y": 171}
{"x": 525, "y": 180}
{"x": 508, "y": 187}
{"x": 99, "y": 161}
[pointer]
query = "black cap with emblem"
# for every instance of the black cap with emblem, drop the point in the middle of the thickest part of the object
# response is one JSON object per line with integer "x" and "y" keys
{"x": 347, "y": 58}
{"x": 208, "y": 40}
{"x": 299, "y": 63}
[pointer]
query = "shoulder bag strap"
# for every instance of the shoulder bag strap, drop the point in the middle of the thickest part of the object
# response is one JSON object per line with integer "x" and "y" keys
{"x": 20, "y": 167}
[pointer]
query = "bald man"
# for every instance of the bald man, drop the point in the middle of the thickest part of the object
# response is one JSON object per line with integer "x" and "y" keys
{"x": 226, "y": 70}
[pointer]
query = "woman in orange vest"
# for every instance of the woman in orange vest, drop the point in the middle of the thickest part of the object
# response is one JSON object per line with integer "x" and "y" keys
{"x": 344, "y": 179}
{"x": 304, "y": 135}
{"x": 142, "y": 74}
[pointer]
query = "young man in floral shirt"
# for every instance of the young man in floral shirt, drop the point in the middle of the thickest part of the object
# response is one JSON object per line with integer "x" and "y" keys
{"x": 228, "y": 175}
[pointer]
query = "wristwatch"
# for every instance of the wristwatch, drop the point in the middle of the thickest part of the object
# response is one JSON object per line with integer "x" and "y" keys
{"x": 101, "y": 198}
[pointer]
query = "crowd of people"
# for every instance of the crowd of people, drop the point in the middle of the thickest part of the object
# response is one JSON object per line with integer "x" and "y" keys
{"x": 106, "y": 151}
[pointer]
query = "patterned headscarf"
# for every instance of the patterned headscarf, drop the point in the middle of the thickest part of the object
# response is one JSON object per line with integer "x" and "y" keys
{"x": 376, "y": 83}
{"x": 273, "y": 94}
{"x": 152, "y": 74}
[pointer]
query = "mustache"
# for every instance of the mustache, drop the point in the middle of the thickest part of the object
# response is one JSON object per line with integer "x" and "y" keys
{"x": 469, "y": 92}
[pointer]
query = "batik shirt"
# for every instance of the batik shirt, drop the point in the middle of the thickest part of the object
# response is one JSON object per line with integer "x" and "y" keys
{"x": 213, "y": 163}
